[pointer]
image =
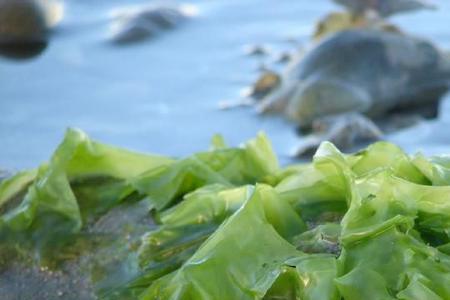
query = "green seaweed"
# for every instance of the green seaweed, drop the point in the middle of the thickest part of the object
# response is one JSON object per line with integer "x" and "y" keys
{"x": 229, "y": 223}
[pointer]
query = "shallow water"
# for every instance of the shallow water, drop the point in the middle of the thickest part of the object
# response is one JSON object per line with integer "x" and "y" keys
{"x": 162, "y": 95}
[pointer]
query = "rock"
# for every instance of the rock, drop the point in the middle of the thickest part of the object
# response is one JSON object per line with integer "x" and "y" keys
{"x": 337, "y": 21}
{"x": 367, "y": 72}
{"x": 25, "y": 24}
{"x": 284, "y": 57}
{"x": 135, "y": 24}
{"x": 266, "y": 83}
{"x": 340, "y": 21}
{"x": 257, "y": 50}
{"x": 384, "y": 8}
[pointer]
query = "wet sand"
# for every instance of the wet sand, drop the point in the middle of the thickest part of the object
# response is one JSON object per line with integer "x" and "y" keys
{"x": 162, "y": 95}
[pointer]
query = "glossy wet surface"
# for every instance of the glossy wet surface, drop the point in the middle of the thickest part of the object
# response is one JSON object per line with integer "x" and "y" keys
{"x": 162, "y": 95}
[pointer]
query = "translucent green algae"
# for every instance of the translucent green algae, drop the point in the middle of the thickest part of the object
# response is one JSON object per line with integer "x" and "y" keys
{"x": 231, "y": 224}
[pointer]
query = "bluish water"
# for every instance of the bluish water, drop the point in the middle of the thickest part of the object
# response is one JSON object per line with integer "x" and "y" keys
{"x": 162, "y": 95}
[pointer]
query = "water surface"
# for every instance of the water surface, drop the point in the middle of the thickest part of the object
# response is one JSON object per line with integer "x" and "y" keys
{"x": 162, "y": 95}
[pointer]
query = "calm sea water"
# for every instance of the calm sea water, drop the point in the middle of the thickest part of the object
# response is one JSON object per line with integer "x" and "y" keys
{"x": 162, "y": 95}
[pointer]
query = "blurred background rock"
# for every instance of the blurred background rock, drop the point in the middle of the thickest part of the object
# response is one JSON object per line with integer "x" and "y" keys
{"x": 25, "y": 26}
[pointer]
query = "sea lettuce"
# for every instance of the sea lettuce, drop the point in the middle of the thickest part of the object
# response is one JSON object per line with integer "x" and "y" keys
{"x": 50, "y": 209}
{"x": 252, "y": 163}
{"x": 383, "y": 155}
{"x": 242, "y": 259}
{"x": 229, "y": 223}
{"x": 319, "y": 191}
{"x": 184, "y": 228}
{"x": 396, "y": 263}
{"x": 435, "y": 169}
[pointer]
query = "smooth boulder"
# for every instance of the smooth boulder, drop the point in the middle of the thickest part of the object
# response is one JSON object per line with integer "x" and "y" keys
{"x": 23, "y": 28}
{"x": 135, "y": 24}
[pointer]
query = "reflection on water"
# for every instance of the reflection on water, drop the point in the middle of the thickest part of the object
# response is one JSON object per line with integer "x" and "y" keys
{"x": 160, "y": 95}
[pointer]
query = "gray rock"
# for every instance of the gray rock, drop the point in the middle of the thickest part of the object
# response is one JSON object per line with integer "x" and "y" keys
{"x": 368, "y": 72}
{"x": 131, "y": 25}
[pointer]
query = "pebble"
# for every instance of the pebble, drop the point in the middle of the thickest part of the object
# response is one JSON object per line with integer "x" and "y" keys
{"x": 257, "y": 50}
{"x": 266, "y": 83}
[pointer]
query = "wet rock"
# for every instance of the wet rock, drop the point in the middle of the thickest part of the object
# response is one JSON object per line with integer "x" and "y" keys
{"x": 20, "y": 281}
{"x": 384, "y": 8}
{"x": 367, "y": 72}
{"x": 257, "y": 50}
{"x": 135, "y": 24}
{"x": 266, "y": 83}
{"x": 339, "y": 21}
{"x": 366, "y": 14}
{"x": 284, "y": 57}
{"x": 25, "y": 25}
{"x": 90, "y": 267}
{"x": 23, "y": 28}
